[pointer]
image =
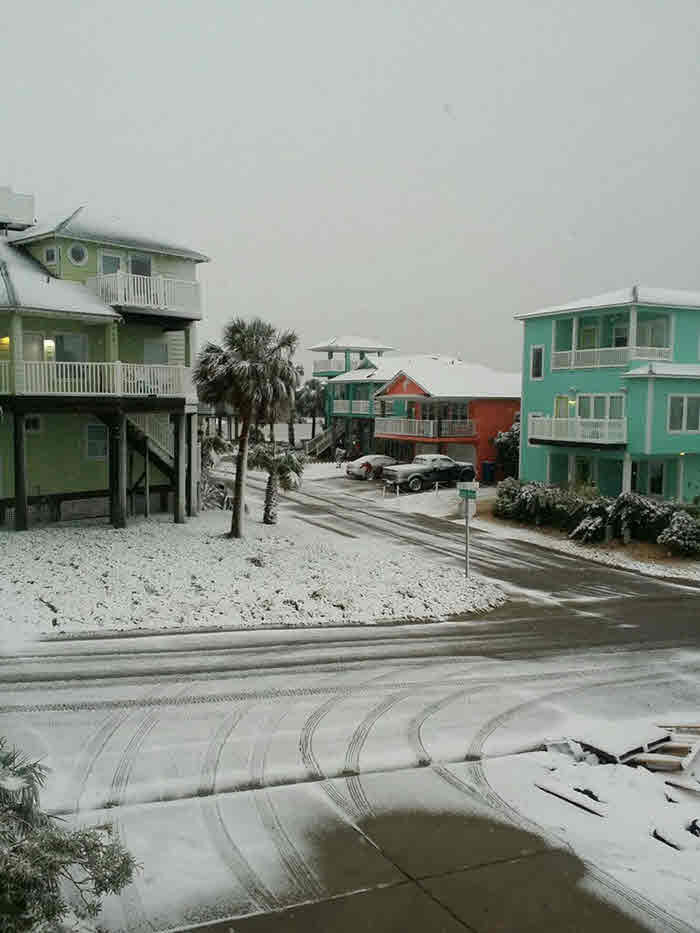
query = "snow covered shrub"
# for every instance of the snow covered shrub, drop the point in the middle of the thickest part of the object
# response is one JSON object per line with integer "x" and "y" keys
{"x": 594, "y": 522}
{"x": 682, "y": 535}
{"x": 640, "y": 517}
{"x": 43, "y": 865}
{"x": 507, "y": 444}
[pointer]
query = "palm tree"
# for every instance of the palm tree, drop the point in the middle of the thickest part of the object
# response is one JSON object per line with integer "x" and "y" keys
{"x": 283, "y": 470}
{"x": 311, "y": 401}
{"x": 253, "y": 372}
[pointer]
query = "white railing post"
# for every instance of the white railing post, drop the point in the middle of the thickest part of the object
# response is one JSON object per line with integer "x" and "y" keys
{"x": 118, "y": 378}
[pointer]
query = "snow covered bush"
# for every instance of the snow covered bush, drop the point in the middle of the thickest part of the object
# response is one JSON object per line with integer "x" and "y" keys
{"x": 682, "y": 535}
{"x": 635, "y": 516}
{"x": 43, "y": 866}
{"x": 507, "y": 444}
{"x": 594, "y": 522}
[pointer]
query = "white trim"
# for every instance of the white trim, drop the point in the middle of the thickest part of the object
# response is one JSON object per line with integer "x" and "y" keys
{"x": 627, "y": 472}
{"x": 672, "y": 334}
{"x": 96, "y": 424}
{"x": 681, "y": 477}
{"x": 548, "y": 468}
{"x": 537, "y": 346}
{"x": 72, "y": 261}
{"x": 684, "y": 429}
{"x": 650, "y": 416}
{"x": 112, "y": 254}
{"x": 632, "y": 331}
{"x": 536, "y": 414}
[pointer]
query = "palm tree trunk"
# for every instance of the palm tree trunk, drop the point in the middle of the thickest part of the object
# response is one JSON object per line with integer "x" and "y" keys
{"x": 239, "y": 482}
{"x": 313, "y": 425}
{"x": 271, "y": 498}
{"x": 272, "y": 431}
{"x": 235, "y": 427}
{"x": 290, "y": 424}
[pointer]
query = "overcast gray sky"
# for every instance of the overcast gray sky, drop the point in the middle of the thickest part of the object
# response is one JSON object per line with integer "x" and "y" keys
{"x": 414, "y": 171}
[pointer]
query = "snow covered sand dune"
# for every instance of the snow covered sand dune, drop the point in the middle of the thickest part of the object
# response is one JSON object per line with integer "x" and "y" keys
{"x": 156, "y": 574}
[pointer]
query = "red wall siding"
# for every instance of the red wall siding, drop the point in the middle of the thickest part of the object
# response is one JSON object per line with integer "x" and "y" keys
{"x": 402, "y": 385}
{"x": 491, "y": 416}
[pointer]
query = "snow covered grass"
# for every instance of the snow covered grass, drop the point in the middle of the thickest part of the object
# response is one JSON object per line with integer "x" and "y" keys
{"x": 155, "y": 574}
{"x": 674, "y": 567}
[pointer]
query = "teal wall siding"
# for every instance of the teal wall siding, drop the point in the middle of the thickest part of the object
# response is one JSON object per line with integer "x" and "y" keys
{"x": 686, "y": 334}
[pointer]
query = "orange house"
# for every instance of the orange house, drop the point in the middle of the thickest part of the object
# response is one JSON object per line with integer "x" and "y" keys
{"x": 444, "y": 405}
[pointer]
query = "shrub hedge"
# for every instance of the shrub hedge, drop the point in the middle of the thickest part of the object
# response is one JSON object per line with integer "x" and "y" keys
{"x": 587, "y": 516}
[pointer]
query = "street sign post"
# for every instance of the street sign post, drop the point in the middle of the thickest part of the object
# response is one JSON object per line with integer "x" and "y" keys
{"x": 467, "y": 491}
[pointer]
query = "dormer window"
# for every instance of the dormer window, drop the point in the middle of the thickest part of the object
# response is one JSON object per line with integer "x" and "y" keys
{"x": 77, "y": 254}
{"x": 50, "y": 255}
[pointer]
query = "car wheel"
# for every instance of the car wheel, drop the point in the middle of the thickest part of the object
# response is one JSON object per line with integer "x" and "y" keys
{"x": 466, "y": 476}
{"x": 368, "y": 471}
{"x": 415, "y": 484}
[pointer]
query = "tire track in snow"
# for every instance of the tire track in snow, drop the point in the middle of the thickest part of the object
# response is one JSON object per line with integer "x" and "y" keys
{"x": 305, "y": 883}
{"x": 416, "y": 724}
{"x": 259, "y": 896}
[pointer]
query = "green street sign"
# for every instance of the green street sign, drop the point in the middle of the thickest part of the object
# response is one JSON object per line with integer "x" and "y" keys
{"x": 467, "y": 493}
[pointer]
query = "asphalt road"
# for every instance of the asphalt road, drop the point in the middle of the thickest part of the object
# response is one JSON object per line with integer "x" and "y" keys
{"x": 338, "y": 779}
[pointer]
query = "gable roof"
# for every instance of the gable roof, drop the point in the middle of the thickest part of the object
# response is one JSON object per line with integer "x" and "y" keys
{"x": 26, "y": 285}
{"x": 86, "y": 224}
{"x": 635, "y": 294}
{"x": 383, "y": 369}
{"x": 350, "y": 342}
{"x": 445, "y": 377}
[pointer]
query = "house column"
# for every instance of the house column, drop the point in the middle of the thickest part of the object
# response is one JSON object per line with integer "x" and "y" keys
{"x": 117, "y": 471}
{"x": 632, "y": 336}
{"x": 574, "y": 338}
{"x": 17, "y": 353}
{"x": 627, "y": 473}
{"x": 20, "y": 451}
{"x": 111, "y": 342}
{"x": 190, "y": 344}
{"x": 180, "y": 469}
{"x": 146, "y": 478}
{"x": 192, "y": 472}
{"x": 572, "y": 469}
{"x": 681, "y": 477}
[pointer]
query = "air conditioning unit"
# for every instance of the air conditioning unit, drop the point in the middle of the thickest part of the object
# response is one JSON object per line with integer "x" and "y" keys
{"x": 16, "y": 210}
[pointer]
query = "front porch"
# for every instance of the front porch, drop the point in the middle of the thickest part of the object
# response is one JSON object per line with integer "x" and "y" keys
{"x": 428, "y": 428}
{"x": 662, "y": 477}
{"x": 78, "y": 378}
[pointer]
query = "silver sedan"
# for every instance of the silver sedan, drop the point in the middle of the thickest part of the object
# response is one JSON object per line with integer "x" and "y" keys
{"x": 368, "y": 467}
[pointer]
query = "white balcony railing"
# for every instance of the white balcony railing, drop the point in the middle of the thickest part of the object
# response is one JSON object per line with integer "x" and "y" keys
{"x": 457, "y": 428}
{"x": 578, "y": 430}
{"x": 155, "y": 292}
{"x": 341, "y": 406}
{"x": 131, "y": 379}
{"x": 361, "y": 406}
{"x": 329, "y": 366}
{"x": 607, "y": 356}
{"x": 405, "y": 427}
{"x": 5, "y": 380}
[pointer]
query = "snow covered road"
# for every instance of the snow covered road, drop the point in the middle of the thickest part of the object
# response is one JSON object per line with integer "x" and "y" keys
{"x": 340, "y": 775}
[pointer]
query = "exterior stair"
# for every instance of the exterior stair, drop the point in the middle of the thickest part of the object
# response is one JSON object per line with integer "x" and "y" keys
{"x": 161, "y": 444}
{"x": 321, "y": 443}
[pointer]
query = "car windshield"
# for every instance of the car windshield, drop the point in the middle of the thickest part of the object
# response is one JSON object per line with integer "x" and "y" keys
{"x": 422, "y": 459}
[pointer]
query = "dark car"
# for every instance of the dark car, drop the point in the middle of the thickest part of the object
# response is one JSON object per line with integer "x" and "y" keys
{"x": 428, "y": 469}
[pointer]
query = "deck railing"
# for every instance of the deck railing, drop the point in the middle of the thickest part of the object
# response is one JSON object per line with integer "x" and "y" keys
{"x": 158, "y": 428}
{"x": 578, "y": 430}
{"x": 329, "y": 366}
{"x": 154, "y": 292}
{"x": 341, "y": 406}
{"x": 607, "y": 356}
{"x": 5, "y": 380}
{"x": 407, "y": 427}
{"x": 79, "y": 378}
{"x": 465, "y": 428}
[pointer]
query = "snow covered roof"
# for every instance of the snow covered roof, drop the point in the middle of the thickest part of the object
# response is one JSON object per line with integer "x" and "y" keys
{"x": 351, "y": 342}
{"x": 25, "y": 284}
{"x": 636, "y": 294}
{"x": 668, "y": 370}
{"x": 384, "y": 369}
{"x": 87, "y": 224}
{"x": 442, "y": 377}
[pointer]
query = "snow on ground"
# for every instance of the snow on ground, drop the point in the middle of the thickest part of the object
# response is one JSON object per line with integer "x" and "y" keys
{"x": 631, "y": 808}
{"x": 686, "y": 570}
{"x": 155, "y": 574}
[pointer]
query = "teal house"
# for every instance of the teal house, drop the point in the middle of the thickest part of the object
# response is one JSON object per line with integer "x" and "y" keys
{"x": 97, "y": 340}
{"x": 611, "y": 393}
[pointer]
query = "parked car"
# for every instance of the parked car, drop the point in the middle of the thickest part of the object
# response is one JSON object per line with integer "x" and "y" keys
{"x": 426, "y": 470}
{"x": 369, "y": 466}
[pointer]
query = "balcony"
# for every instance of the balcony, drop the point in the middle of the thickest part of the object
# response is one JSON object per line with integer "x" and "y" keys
{"x": 457, "y": 428}
{"x": 410, "y": 427}
{"x": 342, "y": 406}
{"x": 596, "y": 357}
{"x": 329, "y": 366}
{"x": 154, "y": 293}
{"x": 596, "y": 431}
{"x": 96, "y": 379}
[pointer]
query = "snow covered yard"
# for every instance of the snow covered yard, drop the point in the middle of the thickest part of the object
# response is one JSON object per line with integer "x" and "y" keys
{"x": 156, "y": 574}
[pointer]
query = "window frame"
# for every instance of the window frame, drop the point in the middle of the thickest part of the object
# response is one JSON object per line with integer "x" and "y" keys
{"x": 72, "y": 333}
{"x": 592, "y": 396}
{"x": 533, "y": 347}
{"x": 100, "y": 457}
{"x": 40, "y": 425}
{"x": 73, "y": 261}
{"x": 57, "y": 254}
{"x": 684, "y": 421}
{"x": 111, "y": 254}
